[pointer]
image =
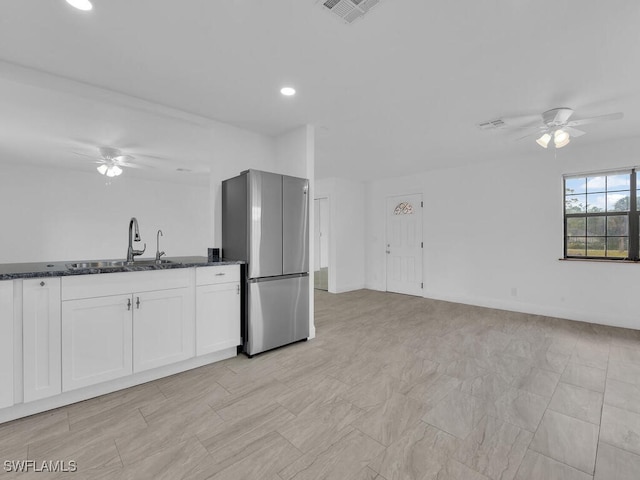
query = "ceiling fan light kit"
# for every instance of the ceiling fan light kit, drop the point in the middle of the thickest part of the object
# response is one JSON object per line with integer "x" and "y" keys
{"x": 543, "y": 141}
{"x": 561, "y": 138}
{"x": 109, "y": 170}
{"x": 555, "y": 123}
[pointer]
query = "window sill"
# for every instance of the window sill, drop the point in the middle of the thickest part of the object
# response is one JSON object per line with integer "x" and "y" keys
{"x": 597, "y": 260}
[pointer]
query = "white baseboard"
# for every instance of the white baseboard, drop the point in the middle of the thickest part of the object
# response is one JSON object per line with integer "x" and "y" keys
{"x": 537, "y": 309}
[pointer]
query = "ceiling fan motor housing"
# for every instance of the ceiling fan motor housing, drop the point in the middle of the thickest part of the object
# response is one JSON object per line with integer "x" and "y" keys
{"x": 557, "y": 116}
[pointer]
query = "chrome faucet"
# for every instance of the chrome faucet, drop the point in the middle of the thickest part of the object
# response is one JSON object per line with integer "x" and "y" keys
{"x": 131, "y": 253}
{"x": 158, "y": 252}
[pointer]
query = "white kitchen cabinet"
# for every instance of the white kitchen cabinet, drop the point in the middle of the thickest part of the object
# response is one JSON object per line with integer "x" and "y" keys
{"x": 96, "y": 340}
{"x": 41, "y": 308}
{"x": 6, "y": 343}
{"x": 217, "y": 309}
{"x": 163, "y": 328}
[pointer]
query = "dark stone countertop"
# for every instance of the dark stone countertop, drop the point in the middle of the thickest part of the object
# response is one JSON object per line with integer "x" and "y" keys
{"x": 13, "y": 271}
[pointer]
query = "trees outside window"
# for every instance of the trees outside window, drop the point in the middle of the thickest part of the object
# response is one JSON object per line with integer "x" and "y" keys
{"x": 601, "y": 215}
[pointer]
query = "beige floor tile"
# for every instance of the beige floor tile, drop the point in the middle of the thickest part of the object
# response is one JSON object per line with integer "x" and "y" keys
{"x": 267, "y": 457}
{"x": 494, "y": 448}
{"x": 458, "y": 413}
{"x": 320, "y": 427}
{"x": 584, "y": 376}
{"x": 538, "y": 381}
{"x": 421, "y": 452}
{"x": 568, "y": 440}
{"x": 465, "y": 368}
{"x": 592, "y": 354}
{"x": 130, "y": 398}
{"x": 539, "y": 467}
{"x": 523, "y": 409}
{"x": 551, "y": 360}
{"x": 577, "y": 402}
{"x": 343, "y": 459}
{"x": 231, "y": 439}
{"x": 238, "y": 406}
{"x": 114, "y": 421}
{"x": 623, "y": 395}
{"x": 309, "y": 397}
{"x": 19, "y": 433}
{"x": 369, "y": 394}
{"x": 433, "y": 390}
{"x": 187, "y": 460}
{"x": 625, "y": 354}
{"x": 624, "y": 372}
{"x": 620, "y": 428}
{"x": 616, "y": 464}
{"x": 88, "y": 448}
{"x": 454, "y": 470}
{"x": 489, "y": 387}
{"x": 388, "y": 421}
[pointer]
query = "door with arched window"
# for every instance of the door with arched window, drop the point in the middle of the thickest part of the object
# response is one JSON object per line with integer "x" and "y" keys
{"x": 404, "y": 244}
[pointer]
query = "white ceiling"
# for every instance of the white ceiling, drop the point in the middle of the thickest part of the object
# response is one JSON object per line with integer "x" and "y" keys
{"x": 397, "y": 92}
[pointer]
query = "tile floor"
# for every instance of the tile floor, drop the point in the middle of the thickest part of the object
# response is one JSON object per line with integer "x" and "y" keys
{"x": 392, "y": 388}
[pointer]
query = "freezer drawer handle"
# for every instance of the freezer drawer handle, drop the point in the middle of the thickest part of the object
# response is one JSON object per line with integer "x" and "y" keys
{"x": 220, "y": 274}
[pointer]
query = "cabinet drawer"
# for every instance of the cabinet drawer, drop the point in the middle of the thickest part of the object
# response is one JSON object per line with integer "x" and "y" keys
{"x": 107, "y": 284}
{"x": 221, "y": 274}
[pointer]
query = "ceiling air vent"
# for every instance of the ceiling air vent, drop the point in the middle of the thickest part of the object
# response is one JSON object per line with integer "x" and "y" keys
{"x": 491, "y": 125}
{"x": 349, "y": 10}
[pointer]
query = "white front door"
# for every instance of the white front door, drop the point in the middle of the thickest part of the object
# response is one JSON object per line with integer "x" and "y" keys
{"x": 404, "y": 244}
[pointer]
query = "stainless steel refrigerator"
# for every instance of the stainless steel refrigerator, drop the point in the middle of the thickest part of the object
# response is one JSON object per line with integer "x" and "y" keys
{"x": 265, "y": 222}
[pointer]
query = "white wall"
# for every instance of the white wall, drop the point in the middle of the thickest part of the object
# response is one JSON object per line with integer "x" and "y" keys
{"x": 234, "y": 151}
{"x": 346, "y": 232}
{"x": 493, "y": 236}
{"x": 295, "y": 156}
{"x": 49, "y": 215}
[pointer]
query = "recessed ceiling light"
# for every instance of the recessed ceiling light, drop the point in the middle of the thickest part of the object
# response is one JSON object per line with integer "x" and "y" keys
{"x": 84, "y": 5}
{"x": 288, "y": 91}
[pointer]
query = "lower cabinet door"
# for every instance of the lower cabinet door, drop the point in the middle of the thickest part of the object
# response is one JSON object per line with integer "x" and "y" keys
{"x": 217, "y": 317}
{"x": 6, "y": 343}
{"x": 41, "y": 338}
{"x": 96, "y": 340}
{"x": 163, "y": 328}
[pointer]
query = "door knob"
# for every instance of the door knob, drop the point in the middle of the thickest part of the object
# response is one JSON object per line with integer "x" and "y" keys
{"x": 42, "y": 284}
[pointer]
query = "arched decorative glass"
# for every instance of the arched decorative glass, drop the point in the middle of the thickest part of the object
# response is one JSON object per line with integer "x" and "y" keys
{"x": 404, "y": 208}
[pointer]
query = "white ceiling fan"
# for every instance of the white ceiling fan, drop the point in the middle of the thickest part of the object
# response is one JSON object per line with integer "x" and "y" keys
{"x": 555, "y": 123}
{"x": 111, "y": 161}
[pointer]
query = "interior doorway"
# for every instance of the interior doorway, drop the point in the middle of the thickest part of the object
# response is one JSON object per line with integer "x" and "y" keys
{"x": 321, "y": 254}
{"x": 404, "y": 244}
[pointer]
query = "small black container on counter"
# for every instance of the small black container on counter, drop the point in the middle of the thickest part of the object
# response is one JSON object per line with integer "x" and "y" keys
{"x": 214, "y": 254}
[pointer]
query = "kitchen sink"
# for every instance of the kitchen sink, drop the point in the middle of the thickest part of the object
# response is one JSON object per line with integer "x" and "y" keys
{"x": 115, "y": 264}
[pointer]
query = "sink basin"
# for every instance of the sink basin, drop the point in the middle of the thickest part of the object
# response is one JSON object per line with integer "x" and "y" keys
{"x": 150, "y": 262}
{"x": 115, "y": 264}
{"x": 98, "y": 264}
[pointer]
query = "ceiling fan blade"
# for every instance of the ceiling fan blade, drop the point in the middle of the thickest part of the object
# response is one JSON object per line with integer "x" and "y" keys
{"x": 123, "y": 158}
{"x": 85, "y": 155}
{"x": 132, "y": 165}
{"x": 529, "y": 135}
{"x": 599, "y": 118}
{"x": 562, "y": 116}
{"x": 574, "y": 132}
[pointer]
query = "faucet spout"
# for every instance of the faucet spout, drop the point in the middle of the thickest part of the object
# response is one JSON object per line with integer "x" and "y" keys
{"x": 134, "y": 236}
{"x": 158, "y": 252}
